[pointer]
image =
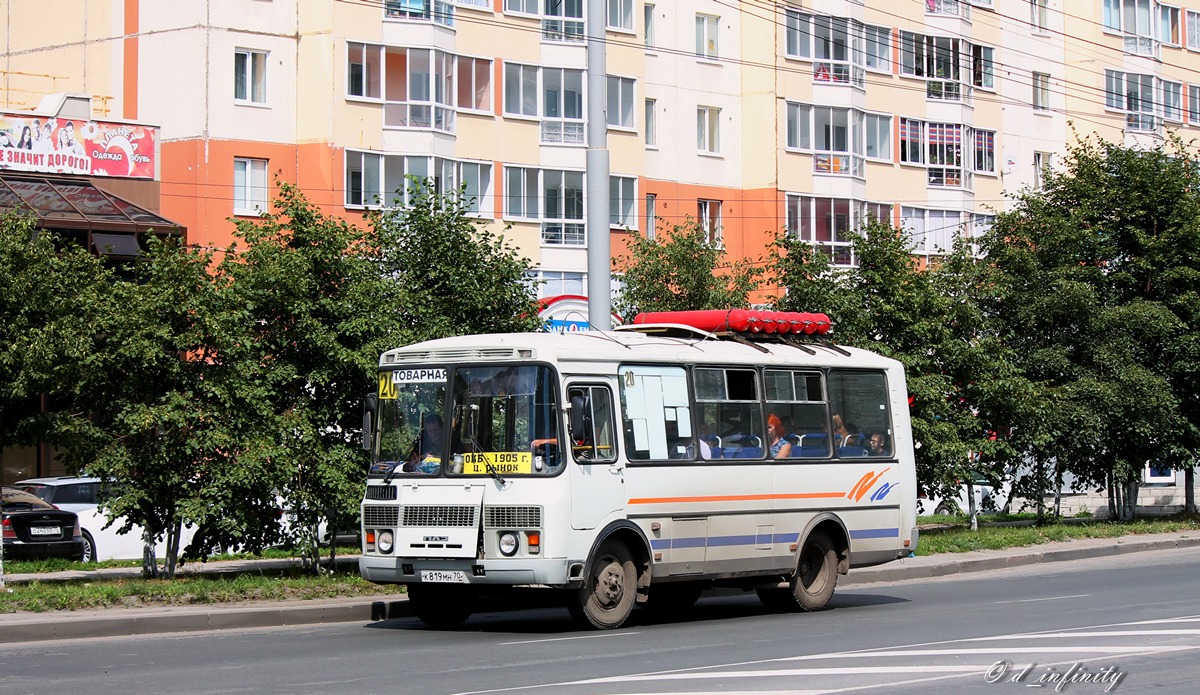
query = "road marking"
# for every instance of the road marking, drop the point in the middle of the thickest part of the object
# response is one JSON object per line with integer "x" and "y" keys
{"x": 564, "y": 639}
{"x": 1048, "y": 598}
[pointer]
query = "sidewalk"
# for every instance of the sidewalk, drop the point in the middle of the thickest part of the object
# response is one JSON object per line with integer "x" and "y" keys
{"x": 30, "y": 627}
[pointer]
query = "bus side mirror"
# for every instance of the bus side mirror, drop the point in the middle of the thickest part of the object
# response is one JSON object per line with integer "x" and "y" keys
{"x": 370, "y": 405}
{"x": 578, "y": 419}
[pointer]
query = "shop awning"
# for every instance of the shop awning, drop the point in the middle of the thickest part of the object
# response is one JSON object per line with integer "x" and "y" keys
{"x": 112, "y": 222}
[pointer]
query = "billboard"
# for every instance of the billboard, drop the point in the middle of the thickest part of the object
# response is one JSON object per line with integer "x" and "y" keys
{"x": 51, "y": 145}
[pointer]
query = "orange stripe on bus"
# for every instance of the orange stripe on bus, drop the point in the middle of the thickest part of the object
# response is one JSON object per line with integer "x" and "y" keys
{"x": 739, "y": 498}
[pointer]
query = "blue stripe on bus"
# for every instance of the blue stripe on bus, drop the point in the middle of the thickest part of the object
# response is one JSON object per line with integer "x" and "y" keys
{"x": 724, "y": 541}
{"x": 876, "y": 533}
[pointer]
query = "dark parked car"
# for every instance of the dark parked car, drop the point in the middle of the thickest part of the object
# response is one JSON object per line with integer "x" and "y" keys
{"x": 35, "y": 529}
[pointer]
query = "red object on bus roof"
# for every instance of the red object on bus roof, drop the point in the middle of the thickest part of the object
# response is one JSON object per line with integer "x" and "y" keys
{"x": 741, "y": 321}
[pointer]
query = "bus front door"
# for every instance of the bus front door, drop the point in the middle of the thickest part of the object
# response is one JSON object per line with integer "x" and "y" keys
{"x": 597, "y": 474}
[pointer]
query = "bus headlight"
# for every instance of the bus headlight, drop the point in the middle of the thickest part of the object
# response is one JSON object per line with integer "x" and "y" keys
{"x": 384, "y": 542}
{"x": 509, "y": 543}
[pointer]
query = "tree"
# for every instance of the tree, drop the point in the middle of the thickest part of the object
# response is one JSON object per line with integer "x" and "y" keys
{"x": 681, "y": 271}
{"x": 926, "y": 319}
{"x": 448, "y": 273}
{"x": 1095, "y": 279}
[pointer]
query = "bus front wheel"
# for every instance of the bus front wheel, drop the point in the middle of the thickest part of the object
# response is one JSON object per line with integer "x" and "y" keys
{"x": 606, "y": 598}
{"x": 442, "y": 607}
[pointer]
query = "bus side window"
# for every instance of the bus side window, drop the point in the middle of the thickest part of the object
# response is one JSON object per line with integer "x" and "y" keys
{"x": 591, "y": 424}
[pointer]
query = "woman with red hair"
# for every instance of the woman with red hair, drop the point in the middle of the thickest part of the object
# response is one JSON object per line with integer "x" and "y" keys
{"x": 781, "y": 448}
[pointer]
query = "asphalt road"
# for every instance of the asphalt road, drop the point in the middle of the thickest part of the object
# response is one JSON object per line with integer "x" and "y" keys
{"x": 1116, "y": 624}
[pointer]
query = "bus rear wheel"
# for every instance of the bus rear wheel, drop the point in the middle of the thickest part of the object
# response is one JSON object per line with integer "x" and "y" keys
{"x": 606, "y": 598}
{"x": 811, "y": 588}
{"x": 443, "y": 607}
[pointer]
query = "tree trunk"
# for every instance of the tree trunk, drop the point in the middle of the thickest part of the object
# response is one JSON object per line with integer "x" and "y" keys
{"x": 1113, "y": 494}
{"x": 972, "y": 508}
{"x": 149, "y": 561}
{"x": 1189, "y": 495}
{"x": 1129, "y": 503}
{"x": 172, "y": 549}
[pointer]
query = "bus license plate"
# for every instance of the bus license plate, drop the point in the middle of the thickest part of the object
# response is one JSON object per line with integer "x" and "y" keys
{"x": 45, "y": 531}
{"x": 444, "y": 577}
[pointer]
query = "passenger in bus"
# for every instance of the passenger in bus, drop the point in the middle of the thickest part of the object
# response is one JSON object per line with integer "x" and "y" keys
{"x": 426, "y": 456}
{"x": 877, "y": 445}
{"x": 781, "y": 448}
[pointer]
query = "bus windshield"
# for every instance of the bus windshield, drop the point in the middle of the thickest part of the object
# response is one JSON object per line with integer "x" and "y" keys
{"x": 411, "y": 437}
{"x": 505, "y": 421}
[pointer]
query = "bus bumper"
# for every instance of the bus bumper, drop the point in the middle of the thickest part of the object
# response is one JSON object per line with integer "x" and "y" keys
{"x": 496, "y": 572}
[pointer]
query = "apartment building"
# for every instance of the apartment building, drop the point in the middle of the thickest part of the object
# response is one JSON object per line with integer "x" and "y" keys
{"x": 753, "y": 117}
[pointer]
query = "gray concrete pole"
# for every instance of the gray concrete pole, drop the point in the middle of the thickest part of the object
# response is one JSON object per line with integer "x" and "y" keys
{"x": 596, "y": 196}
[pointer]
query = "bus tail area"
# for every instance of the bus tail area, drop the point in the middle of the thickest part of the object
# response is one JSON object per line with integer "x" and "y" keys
{"x": 636, "y": 467}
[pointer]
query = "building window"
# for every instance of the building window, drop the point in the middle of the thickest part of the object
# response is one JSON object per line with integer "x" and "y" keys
{"x": 651, "y": 214}
{"x": 1172, "y": 101}
{"x": 878, "y": 48}
{"x": 363, "y": 178}
{"x": 706, "y": 36}
{"x": 1041, "y": 162}
{"x": 554, "y": 283}
{"x": 419, "y": 90}
{"x": 364, "y": 71}
{"x": 648, "y": 24}
{"x": 475, "y": 178}
{"x": 708, "y": 214}
{"x": 521, "y": 6}
{"x": 520, "y": 90}
{"x": 1193, "y": 30}
{"x": 912, "y": 141}
{"x": 562, "y": 212}
{"x": 620, "y": 14}
{"x": 835, "y": 136}
{"x": 932, "y": 231}
{"x": 562, "y": 106}
{"x": 1156, "y": 474}
{"x": 474, "y": 84}
{"x": 826, "y": 223}
{"x": 521, "y": 193}
{"x": 708, "y": 129}
{"x": 985, "y": 151}
{"x": 250, "y": 76}
{"x": 619, "y": 109}
{"x": 440, "y": 11}
{"x": 559, "y": 205}
{"x": 879, "y": 136}
{"x": 835, "y": 45}
{"x": 622, "y": 206}
{"x": 1134, "y": 19}
{"x": 1168, "y": 25}
{"x": 945, "y": 157}
{"x": 1134, "y": 95}
{"x": 951, "y": 7}
{"x": 249, "y": 186}
{"x": 1038, "y": 14}
{"x": 1193, "y": 105}
{"x": 651, "y": 123}
{"x": 938, "y": 59}
{"x": 983, "y": 67}
{"x": 563, "y": 21}
{"x": 1041, "y": 91}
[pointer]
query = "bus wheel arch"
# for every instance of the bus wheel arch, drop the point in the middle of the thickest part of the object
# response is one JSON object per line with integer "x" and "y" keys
{"x": 615, "y": 577}
{"x": 835, "y": 530}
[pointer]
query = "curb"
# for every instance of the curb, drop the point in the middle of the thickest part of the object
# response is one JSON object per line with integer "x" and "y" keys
{"x": 925, "y": 570}
{"x": 122, "y": 622}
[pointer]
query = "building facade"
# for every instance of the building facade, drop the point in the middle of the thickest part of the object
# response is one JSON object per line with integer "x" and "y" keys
{"x": 753, "y": 117}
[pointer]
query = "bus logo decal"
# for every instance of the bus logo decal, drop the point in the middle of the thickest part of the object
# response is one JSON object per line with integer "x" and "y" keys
{"x": 882, "y": 491}
{"x": 864, "y": 483}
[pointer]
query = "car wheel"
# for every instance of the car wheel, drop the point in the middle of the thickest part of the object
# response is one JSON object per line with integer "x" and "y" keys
{"x": 942, "y": 510}
{"x": 89, "y": 547}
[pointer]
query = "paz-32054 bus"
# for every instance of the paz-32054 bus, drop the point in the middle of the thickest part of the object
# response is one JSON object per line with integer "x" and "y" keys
{"x": 636, "y": 466}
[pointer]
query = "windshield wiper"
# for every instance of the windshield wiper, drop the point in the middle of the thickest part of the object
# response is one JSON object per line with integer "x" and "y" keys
{"x": 490, "y": 468}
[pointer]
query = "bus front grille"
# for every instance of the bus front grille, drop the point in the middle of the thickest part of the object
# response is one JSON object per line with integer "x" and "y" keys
{"x": 376, "y": 516}
{"x": 439, "y": 515}
{"x": 381, "y": 492}
{"x": 512, "y": 517}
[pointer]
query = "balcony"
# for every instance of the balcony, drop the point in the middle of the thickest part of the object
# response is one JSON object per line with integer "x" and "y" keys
{"x": 438, "y": 11}
{"x": 944, "y": 90}
{"x": 562, "y": 30}
{"x": 424, "y": 116}
{"x": 838, "y": 163}
{"x": 838, "y": 72}
{"x": 1141, "y": 122}
{"x": 954, "y": 8}
{"x": 563, "y": 132}
{"x": 563, "y": 234}
{"x": 1141, "y": 46}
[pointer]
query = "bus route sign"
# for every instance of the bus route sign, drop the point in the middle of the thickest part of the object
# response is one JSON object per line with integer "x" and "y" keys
{"x": 503, "y": 462}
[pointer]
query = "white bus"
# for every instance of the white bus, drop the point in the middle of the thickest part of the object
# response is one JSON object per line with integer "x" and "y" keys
{"x": 635, "y": 466}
